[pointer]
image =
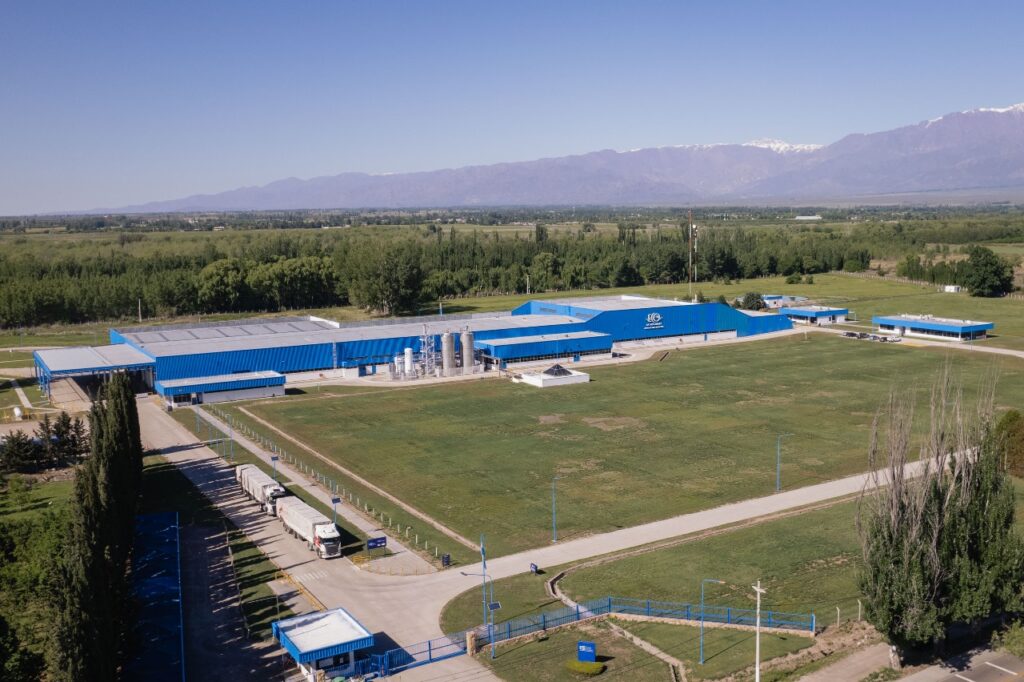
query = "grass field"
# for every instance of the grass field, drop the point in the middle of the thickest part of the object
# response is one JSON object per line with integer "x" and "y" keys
{"x": 691, "y": 432}
{"x": 725, "y": 651}
{"x": 15, "y": 358}
{"x": 807, "y": 562}
{"x": 544, "y": 661}
{"x": 21, "y": 500}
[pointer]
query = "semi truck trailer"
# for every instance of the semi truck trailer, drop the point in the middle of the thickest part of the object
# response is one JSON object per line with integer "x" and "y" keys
{"x": 302, "y": 521}
{"x": 259, "y": 487}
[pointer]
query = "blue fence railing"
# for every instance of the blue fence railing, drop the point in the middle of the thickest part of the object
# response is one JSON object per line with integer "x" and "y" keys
{"x": 397, "y": 660}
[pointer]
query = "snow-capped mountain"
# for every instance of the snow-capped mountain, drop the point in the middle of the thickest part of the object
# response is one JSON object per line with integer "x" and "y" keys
{"x": 976, "y": 150}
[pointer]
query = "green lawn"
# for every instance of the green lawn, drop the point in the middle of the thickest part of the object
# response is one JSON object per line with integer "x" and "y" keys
{"x": 691, "y": 432}
{"x": 807, "y": 562}
{"x": 8, "y": 397}
{"x": 726, "y": 651}
{"x": 544, "y": 661}
{"x": 25, "y": 499}
{"x": 15, "y": 358}
{"x": 166, "y": 489}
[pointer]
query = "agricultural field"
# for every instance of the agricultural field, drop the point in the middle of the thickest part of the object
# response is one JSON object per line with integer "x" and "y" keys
{"x": 691, "y": 432}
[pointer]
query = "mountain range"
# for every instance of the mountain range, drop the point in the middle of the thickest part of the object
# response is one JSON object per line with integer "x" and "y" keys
{"x": 977, "y": 152}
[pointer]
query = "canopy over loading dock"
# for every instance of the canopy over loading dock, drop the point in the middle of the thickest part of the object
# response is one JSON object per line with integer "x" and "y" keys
{"x": 95, "y": 361}
{"x": 931, "y": 327}
{"x": 568, "y": 344}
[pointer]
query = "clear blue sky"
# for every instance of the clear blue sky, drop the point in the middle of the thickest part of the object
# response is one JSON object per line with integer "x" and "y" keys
{"x": 116, "y": 102}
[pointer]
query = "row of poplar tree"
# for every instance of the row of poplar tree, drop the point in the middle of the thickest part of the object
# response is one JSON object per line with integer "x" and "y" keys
{"x": 89, "y": 587}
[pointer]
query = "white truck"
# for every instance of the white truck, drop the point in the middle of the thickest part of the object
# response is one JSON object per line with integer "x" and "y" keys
{"x": 259, "y": 486}
{"x": 302, "y": 521}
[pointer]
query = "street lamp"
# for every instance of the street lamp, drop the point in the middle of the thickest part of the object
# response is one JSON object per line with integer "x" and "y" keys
{"x": 757, "y": 630}
{"x": 488, "y": 613}
{"x": 554, "y": 526}
{"x": 706, "y": 580}
{"x": 778, "y": 460}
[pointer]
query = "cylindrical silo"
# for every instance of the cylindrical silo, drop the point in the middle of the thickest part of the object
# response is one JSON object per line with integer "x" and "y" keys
{"x": 398, "y": 366}
{"x": 448, "y": 354}
{"x": 408, "y": 362}
{"x": 467, "y": 352}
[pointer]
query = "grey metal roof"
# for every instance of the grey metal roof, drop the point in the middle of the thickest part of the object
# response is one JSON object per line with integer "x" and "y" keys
{"x": 623, "y": 302}
{"x": 515, "y": 340}
{"x": 255, "y": 336}
{"x": 220, "y": 378}
{"x": 100, "y": 358}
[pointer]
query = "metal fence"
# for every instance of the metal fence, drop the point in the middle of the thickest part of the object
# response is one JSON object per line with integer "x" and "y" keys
{"x": 397, "y": 660}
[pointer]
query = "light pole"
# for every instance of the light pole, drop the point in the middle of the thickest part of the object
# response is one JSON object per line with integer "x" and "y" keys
{"x": 554, "y": 525}
{"x": 778, "y": 460}
{"x": 757, "y": 633}
{"x": 702, "y": 582}
{"x": 488, "y": 613}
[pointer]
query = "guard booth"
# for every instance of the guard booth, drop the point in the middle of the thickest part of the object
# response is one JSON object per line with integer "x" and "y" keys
{"x": 324, "y": 644}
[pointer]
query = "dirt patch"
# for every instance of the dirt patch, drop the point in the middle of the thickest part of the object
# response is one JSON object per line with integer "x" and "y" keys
{"x": 613, "y": 423}
{"x": 830, "y": 562}
{"x": 551, "y": 419}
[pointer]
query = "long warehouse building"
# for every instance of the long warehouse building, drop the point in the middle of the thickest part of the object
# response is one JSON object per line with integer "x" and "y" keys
{"x": 243, "y": 357}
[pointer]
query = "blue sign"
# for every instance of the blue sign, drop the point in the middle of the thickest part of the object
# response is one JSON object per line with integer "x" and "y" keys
{"x": 534, "y": 569}
{"x": 274, "y": 458}
{"x": 374, "y": 543}
{"x": 494, "y": 605}
{"x": 586, "y": 652}
{"x": 335, "y": 500}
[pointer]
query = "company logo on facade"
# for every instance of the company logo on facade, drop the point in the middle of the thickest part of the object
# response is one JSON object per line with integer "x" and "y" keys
{"x": 654, "y": 321}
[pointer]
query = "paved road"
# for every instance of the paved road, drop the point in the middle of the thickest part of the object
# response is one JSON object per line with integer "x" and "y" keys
{"x": 984, "y": 666}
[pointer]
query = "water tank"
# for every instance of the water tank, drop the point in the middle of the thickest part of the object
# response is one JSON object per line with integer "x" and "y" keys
{"x": 398, "y": 365}
{"x": 408, "y": 362}
{"x": 448, "y": 354}
{"x": 17, "y": 413}
{"x": 467, "y": 352}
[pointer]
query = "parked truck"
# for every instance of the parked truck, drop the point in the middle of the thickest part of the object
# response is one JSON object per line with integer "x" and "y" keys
{"x": 259, "y": 487}
{"x": 302, "y": 521}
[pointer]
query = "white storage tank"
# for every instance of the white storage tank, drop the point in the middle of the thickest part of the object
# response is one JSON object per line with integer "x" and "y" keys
{"x": 448, "y": 354}
{"x": 467, "y": 352}
{"x": 408, "y": 362}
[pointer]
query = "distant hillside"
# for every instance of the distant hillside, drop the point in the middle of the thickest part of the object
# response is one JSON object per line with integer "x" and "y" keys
{"x": 974, "y": 152}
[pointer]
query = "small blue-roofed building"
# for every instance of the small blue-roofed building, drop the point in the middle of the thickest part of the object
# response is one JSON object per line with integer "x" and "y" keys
{"x": 544, "y": 346}
{"x": 242, "y": 386}
{"x": 931, "y": 327}
{"x": 324, "y": 640}
{"x": 815, "y": 315}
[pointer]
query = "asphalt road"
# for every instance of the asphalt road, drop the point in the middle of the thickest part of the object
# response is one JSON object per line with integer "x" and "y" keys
{"x": 984, "y": 666}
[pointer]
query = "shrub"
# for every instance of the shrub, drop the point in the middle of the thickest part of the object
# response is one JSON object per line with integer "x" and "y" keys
{"x": 883, "y": 675}
{"x": 1011, "y": 639}
{"x": 584, "y": 668}
{"x": 809, "y": 279}
{"x": 794, "y": 278}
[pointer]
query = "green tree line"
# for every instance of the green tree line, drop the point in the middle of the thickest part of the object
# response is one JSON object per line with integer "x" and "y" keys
{"x": 69, "y": 570}
{"x": 397, "y": 270}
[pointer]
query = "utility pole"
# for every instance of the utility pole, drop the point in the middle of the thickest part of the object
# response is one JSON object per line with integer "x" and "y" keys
{"x": 689, "y": 251}
{"x": 757, "y": 633}
{"x": 140, "y": 310}
{"x": 778, "y": 460}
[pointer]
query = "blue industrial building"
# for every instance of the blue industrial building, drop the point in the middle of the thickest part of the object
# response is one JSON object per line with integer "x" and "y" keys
{"x": 815, "y": 314}
{"x": 248, "y": 355}
{"x": 929, "y": 326}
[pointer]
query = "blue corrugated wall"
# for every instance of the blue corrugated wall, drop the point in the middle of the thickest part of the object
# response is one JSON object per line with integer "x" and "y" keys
{"x": 535, "y": 349}
{"x": 288, "y": 359}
